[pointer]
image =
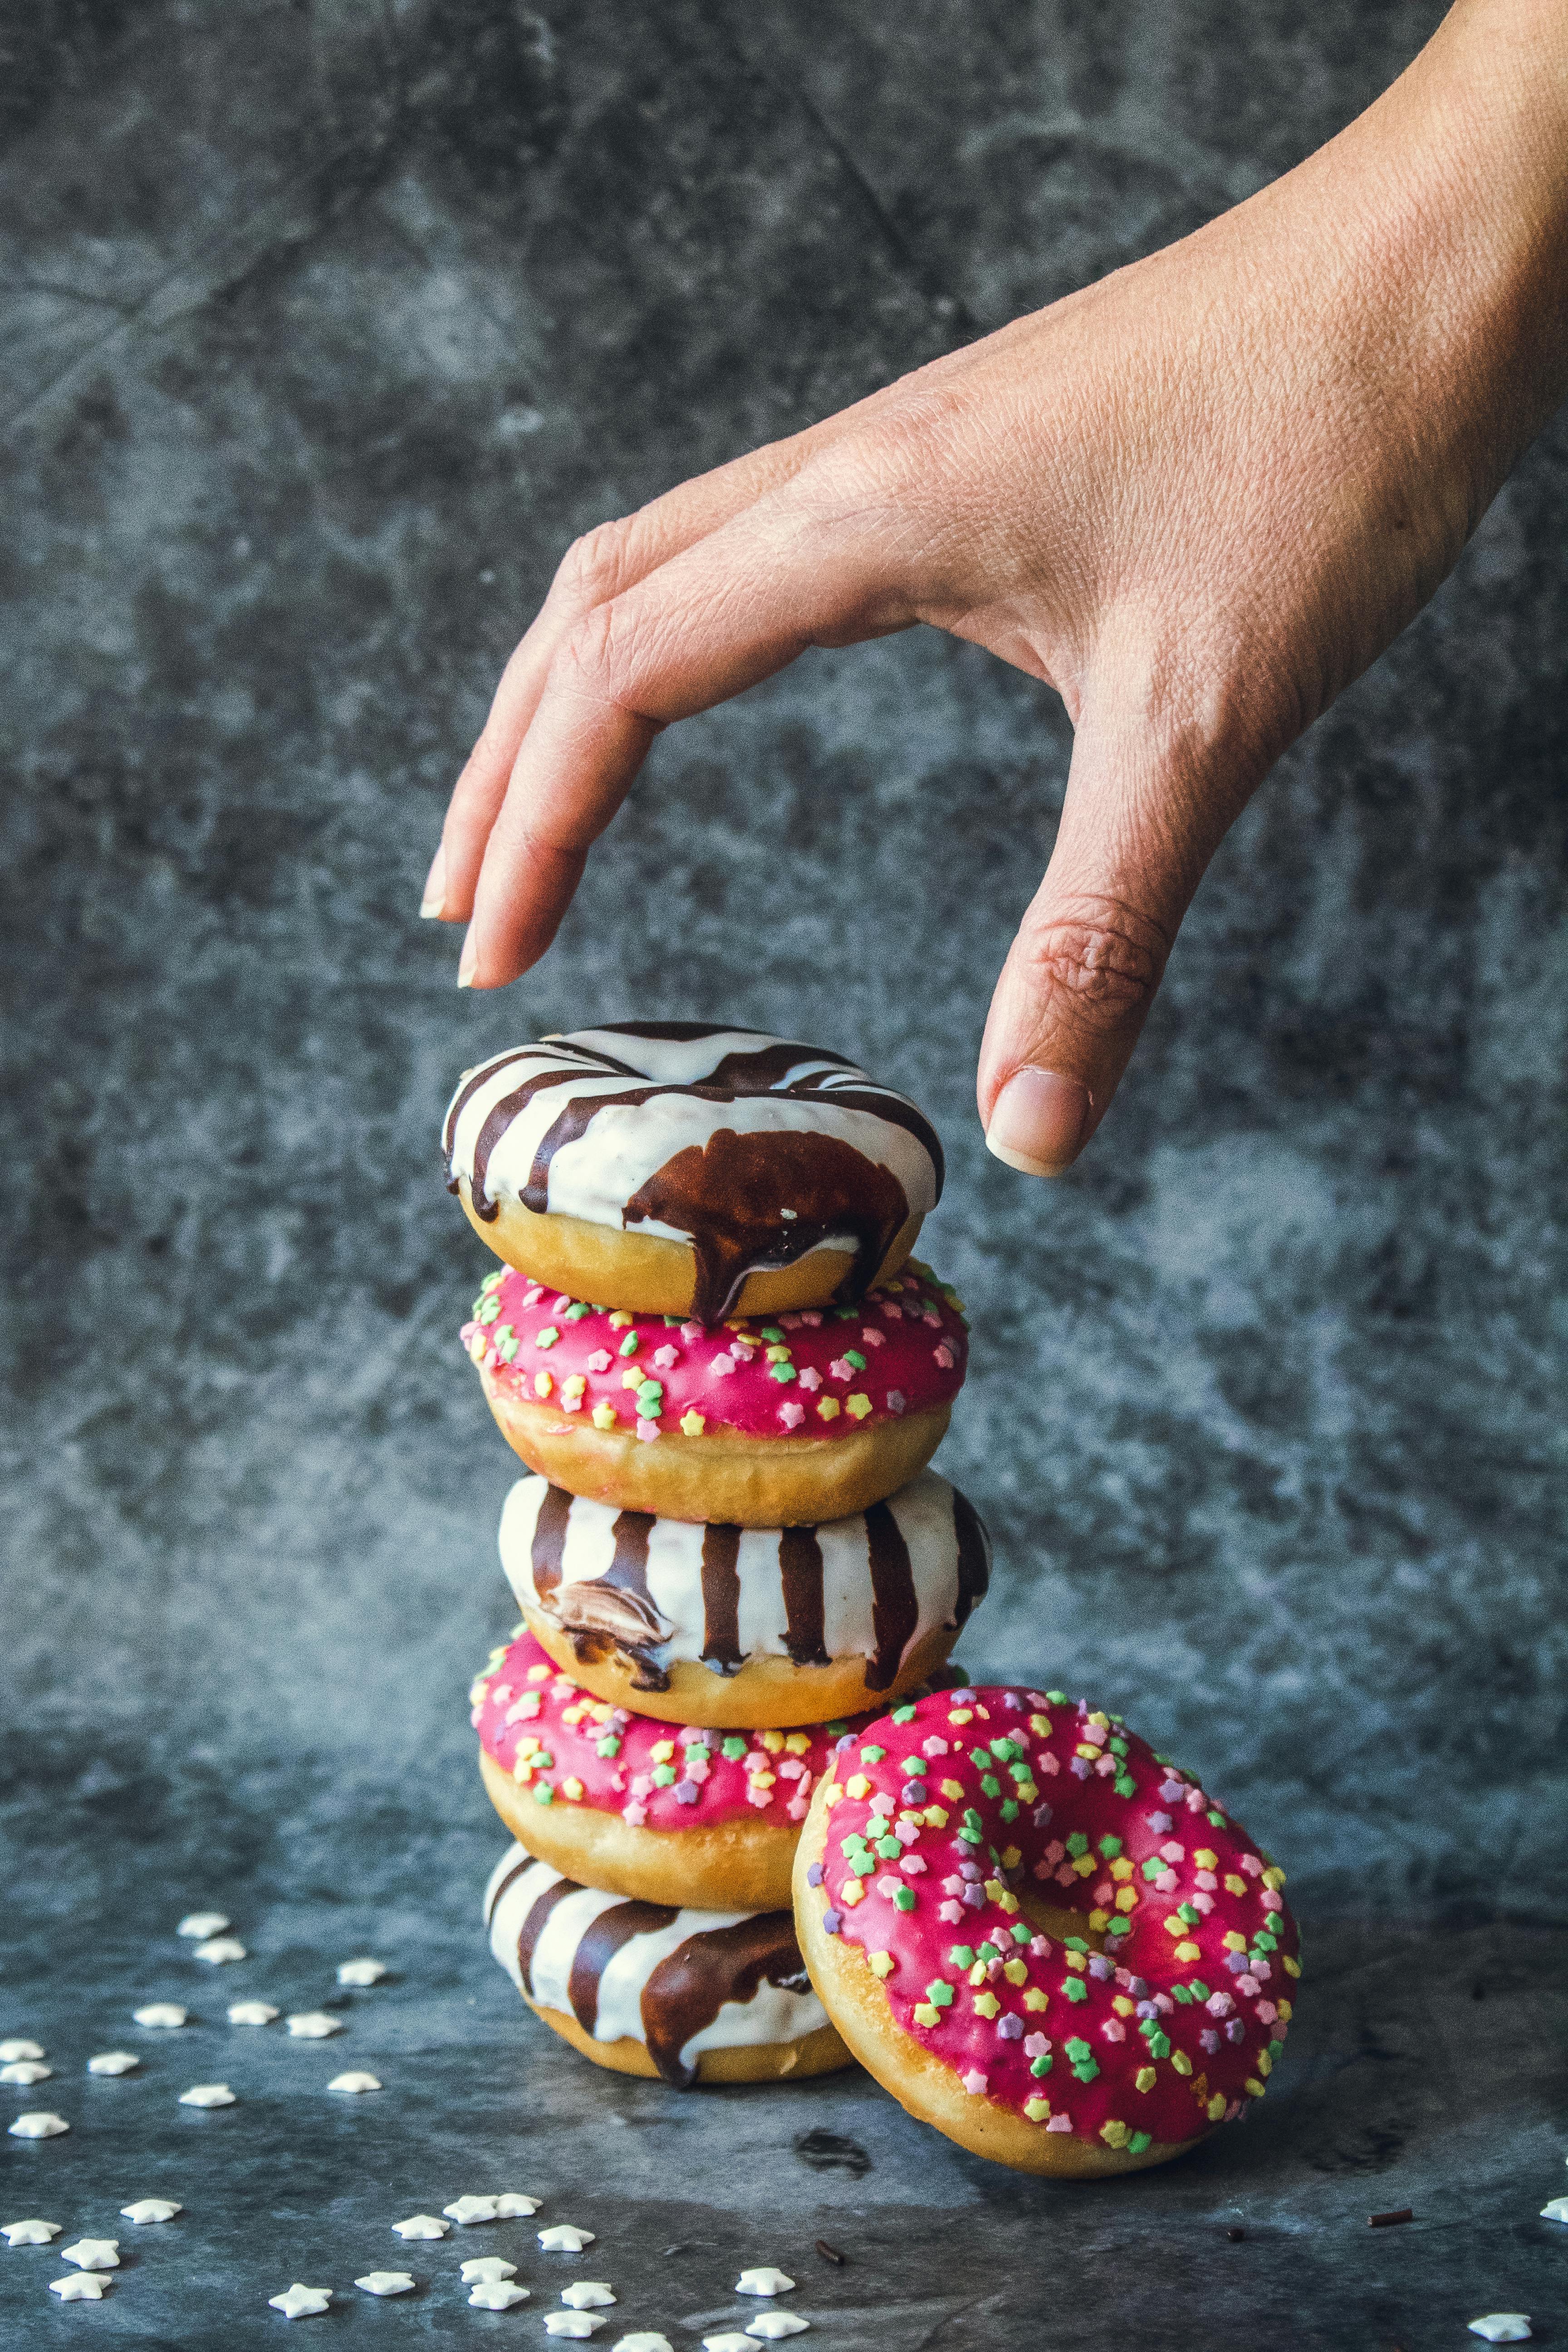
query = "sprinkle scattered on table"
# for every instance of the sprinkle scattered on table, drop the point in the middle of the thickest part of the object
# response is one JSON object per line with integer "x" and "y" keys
{"x": 487, "y": 2270}
{"x": 1557, "y": 2211}
{"x": 202, "y": 1924}
{"x": 93, "y": 2254}
{"x": 386, "y": 2283}
{"x": 19, "y": 2048}
{"x": 252, "y": 2013}
{"x": 360, "y": 1972}
{"x": 313, "y": 2024}
{"x": 25, "y": 2071}
{"x": 219, "y": 1949}
{"x": 39, "y": 2125}
{"x": 1391, "y": 2221}
{"x": 587, "y": 2294}
{"x": 353, "y": 2081}
{"x": 1502, "y": 2326}
{"x": 572, "y": 2322}
{"x": 773, "y": 2324}
{"x": 512, "y": 2205}
{"x": 80, "y": 2286}
{"x": 300, "y": 2301}
{"x": 566, "y": 2238}
{"x": 163, "y": 2015}
{"x": 421, "y": 2225}
{"x": 29, "y": 2233}
{"x": 113, "y": 2061}
{"x": 648, "y": 2340}
{"x": 765, "y": 2280}
{"x": 151, "y": 2208}
{"x": 500, "y": 2295}
{"x": 208, "y": 2094}
{"x": 829, "y": 2253}
{"x": 466, "y": 2210}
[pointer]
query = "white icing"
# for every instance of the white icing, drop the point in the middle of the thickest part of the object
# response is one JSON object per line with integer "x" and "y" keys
{"x": 208, "y": 2094}
{"x": 773, "y": 2014}
{"x": 923, "y": 1511}
{"x": 594, "y": 1177}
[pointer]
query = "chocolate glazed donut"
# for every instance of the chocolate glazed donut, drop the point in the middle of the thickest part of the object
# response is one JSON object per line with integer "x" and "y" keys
{"x": 752, "y": 1196}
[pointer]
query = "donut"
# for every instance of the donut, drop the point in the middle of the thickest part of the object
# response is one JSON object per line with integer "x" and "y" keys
{"x": 643, "y": 1808}
{"x": 735, "y": 1627}
{"x": 646, "y": 1989}
{"x": 677, "y": 1169}
{"x": 754, "y": 1422}
{"x": 1055, "y": 1947}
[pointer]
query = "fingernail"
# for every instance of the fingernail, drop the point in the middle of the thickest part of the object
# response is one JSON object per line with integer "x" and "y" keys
{"x": 1037, "y": 1121}
{"x": 435, "y": 897}
{"x": 467, "y": 959}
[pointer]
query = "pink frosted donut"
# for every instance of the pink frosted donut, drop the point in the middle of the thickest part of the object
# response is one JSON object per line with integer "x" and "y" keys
{"x": 661, "y": 1811}
{"x": 749, "y": 1423}
{"x": 1041, "y": 1937}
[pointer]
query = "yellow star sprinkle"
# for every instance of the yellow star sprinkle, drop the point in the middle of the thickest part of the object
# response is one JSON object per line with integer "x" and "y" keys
{"x": 1234, "y": 1885}
{"x": 951, "y": 1788}
{"x": 572, "y": 1789}
{"x": 1015, "y": 1971}
{"x": 1145, "y": 2079}
{"x": 926, "y": 2014}
{"x": 882, "y": 1963}
{"x": 619, "y": 1319}
{"x": 829, "y": 1407}
{"x": 1205, "y": 1858}
{"x": 1121, "y": 2005}
{"x": 1122, "y": 1868}
{"x": 1253, "y": 2087}
{"x": 859, "y": 1787}
{"x": 692, "y": 1424}
{"x": 858, "y": 1406}
{"x": 1115, "y": 2134}
{"x": 1127, "y": 1900}
{"x": 1040, "y": 1725}
{"x": 1292, "y": 1968}
{"x": 935, "y": 1817}
{"x": 986, "y": 2004}
{"x": 854, "y": 1892}
{"x": 1215, "y": 2108}
{"x": 1181, "y": 2061}
{"x": 542, "y": 1384}
{"x": 796, "y": 1743}
{"x": 1275, "y": 1878}
{"x": 1034, "y": 1998}
{"x": 1011, "y": 1858}
{"x": 1235, "y": 1943}
{"x": 1038, "y": 2110}
{"x": 604, "y": 1416}
{"x": 1187, "y": 1950}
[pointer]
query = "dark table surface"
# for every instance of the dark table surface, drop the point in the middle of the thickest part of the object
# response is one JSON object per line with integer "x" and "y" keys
{"x": 322, "y": 329}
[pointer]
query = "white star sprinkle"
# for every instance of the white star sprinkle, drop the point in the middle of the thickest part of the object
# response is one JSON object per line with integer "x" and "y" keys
{"x": 202, "y": 1924}
{"x": 29, "y": 2233}
{"x": 587, "y": 2294}
{"x": 353, "y": 2081}
{"x": 386, "y": 2283}
{"x": 300, "y": 2301}
{"x": 360, "y": 1972}
{"x": 778, "y": 2322}
{"x": 1557, "y": 2211}
{"x": 421, "y": 2225}
{"x": 27, "y": 2072}
{"x": 731, "y": 2340}
{"x": 511, "y": 2204}
{"x": 1502, "y": 2326}
{"x": 151, "y": 2208}
{"x": 487, "y": 2270}
{"x": 219, "y": 1949}
{"x": 163, "y": 2015}
{"x": 40, "y": 2125}
{"x": 80, "y": 2286}
{"x": 313, "y": 2026}
{"x": 500, "y": 2296}
{"x": 766, "y": 2281}
{"x": 466, "y": 2210}
{"x": 208, "y": 2094}
{"x": 648, "y": 2341}
{"x": 575, "y": 2322}
{"x": 251, "y": 2012}
{"x": 14, "y": 2049}
{"x": 565, "y": 2239}
{"x": 113, "y": 2061}
{"x": 93, "y": 2254}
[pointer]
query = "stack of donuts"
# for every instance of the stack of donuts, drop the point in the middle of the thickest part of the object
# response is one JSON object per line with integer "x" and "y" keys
{"x": 708, "y": 1342}
{"x": 759, "y": 1824}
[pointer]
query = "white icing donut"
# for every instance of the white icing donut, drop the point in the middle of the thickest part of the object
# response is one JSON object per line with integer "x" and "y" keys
{"x": 667, "y": 1591}
{"x": 751, "y": 1151}
{"x": 678, "y": 1982}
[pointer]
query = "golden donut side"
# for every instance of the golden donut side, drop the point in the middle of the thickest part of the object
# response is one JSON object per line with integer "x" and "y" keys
{"x": 734, "y": 1865}
{"x": 724, "y": 1477}
{"x": 767, "y": 1694}
{"x": 820, "y": 2052}
{"x": 646, "y": 1273}
{"x": 926, "y": 2089}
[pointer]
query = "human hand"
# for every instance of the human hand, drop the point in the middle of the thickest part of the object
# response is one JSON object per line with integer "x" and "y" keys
{"x": 1197, "y": 498}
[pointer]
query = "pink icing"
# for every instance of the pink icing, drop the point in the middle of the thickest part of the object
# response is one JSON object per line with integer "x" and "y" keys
{"x": 903, "y": 1349}
{"x": 1191, "y": 2000}
{"x": 657, "y": 1776}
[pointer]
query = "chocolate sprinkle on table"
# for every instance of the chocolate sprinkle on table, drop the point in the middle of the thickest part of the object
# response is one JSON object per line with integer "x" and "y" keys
{"x": 829, "y": 2253}
{"x": 1388, "y": 2220}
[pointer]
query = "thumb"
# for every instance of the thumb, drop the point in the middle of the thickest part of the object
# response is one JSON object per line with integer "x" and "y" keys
{"x": 1134, "y": 839}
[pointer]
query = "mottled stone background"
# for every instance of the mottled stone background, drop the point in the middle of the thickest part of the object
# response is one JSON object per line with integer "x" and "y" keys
{"x": 325, "y": 328}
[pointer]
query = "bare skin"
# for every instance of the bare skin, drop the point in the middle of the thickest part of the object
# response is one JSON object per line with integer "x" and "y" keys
{"x": 1197, "y": 498}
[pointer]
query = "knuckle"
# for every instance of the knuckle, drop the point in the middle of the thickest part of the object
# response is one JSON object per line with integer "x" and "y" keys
{"x": 1102, "y": 961}
{"x": 596, "y": 566}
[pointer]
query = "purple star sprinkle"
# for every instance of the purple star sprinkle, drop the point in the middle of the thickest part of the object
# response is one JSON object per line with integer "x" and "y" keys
{"x": 831, "y": 1922}
{"x": 1235, "y": 2031}
{"x": 1208, "y": 2039}
{"x": 814, "y": 1874}
{"x": 1162, "y": 1824}
{"x": 1011, "y": 2028}
{"x": 686, "y": 1792}
{"x": 1172, "y": 1790}
{"x": 1042, "y": 1816}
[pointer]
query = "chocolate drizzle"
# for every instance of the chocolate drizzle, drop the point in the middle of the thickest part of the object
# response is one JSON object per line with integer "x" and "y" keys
{"x": 550, "y": 1542}
{"x": 748, "y": 1202}
{"x": 533, "y": 1924}
{"x": 731, "y": 1195}
{"x": 692, "y": 1984}
{"x": 800, "y": 1572}
{"x": 973, "y": 1556}
{"x": 895, "y": 1607}
{"x": 721, "y": 1598}
{"x": 601, "y": 1939}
